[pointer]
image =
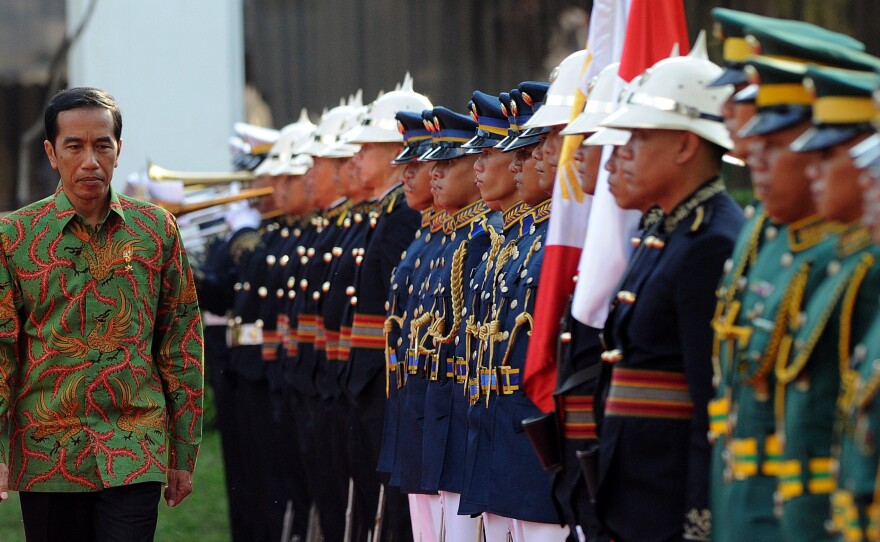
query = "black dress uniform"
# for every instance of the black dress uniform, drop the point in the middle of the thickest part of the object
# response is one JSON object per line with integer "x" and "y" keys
{"x": 214, "y": 284}
{"x": 392, "y": 227}
{"x": 328, "y": 491}
{"x": 264, "y": 489}
{"x": 654, "y": 452}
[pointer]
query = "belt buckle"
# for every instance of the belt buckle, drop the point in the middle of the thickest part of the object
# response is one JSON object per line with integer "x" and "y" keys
{"x": 504, "y": 381}
{"x": 461, "y": 370}
{"x": 434, "y": 373}
{"x": 473, "y": 390}
{"x": 412, "y": 361}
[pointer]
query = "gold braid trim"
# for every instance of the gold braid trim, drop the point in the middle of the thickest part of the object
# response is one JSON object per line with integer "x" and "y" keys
{"x": 457, "y": 293}
{"x": 725, "y": 311}
{"x": 787, "y": 312}
{"x": 848, "y": 376}
{"x": 521, "y": 319}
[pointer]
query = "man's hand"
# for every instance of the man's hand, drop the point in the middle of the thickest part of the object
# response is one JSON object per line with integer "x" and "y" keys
{"x": 4, "y": 482}
{"x": 178, "y": 488}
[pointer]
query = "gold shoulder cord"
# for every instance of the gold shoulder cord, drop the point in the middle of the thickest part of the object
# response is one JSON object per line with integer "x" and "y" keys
{"x": 786, "y": 373}
{"x": 726, "y": 310}
{"x": 787, "y": 312}
{"x": 389, "y": 323}
{"x": 848, "y": 376}
{"x": 523, "y": 317}
{"x": 457, "y": 294}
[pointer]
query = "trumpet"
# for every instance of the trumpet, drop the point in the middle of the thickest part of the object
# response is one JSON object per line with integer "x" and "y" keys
{"x": 158, "y": 173}
{"x": 182, "y": 208}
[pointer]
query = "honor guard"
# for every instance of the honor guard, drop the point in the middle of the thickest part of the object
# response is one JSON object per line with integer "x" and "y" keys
{"x": 383, "y": 511}
{"x": 441, "y": 317}
{"x": 657, "y": 336}
{"x": 306, "y": 371}
{"x": 404, "y": 413}
{"x": 783, "y": 240}
{"x": 474, "y": 424}
{"x": 854, "y": 503}
{"x": 813, "y": 371}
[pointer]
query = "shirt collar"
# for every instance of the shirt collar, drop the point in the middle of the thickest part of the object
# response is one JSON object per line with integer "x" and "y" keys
{"x": 64, "y": 210}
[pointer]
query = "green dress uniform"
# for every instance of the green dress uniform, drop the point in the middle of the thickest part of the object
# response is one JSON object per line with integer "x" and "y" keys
{"x": 855, "y": 504}
{"x": 748, "y": 326}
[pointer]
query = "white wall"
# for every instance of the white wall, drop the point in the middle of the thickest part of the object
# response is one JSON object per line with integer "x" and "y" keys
{"x": 176, "y": 67}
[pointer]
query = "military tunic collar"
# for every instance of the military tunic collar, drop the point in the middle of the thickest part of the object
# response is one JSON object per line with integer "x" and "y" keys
{"x": 427, "y": 217}
{"x": 467, "y": 216}
{"x": 541, "y": 211}
{"x": 808, "y": 232}
{"x": 514, "y": 214}
{"x": 853, "y": 238}
{"x": 684, "y": 209}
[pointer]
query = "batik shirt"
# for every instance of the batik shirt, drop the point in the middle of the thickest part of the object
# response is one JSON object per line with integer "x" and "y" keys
{"x": 100, "y": 347}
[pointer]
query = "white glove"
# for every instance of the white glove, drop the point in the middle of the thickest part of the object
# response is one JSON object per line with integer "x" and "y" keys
{"x": 241, "y": 215}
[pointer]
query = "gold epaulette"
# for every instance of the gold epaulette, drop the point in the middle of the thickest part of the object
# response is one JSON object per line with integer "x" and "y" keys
{"x": 243, "y": 243}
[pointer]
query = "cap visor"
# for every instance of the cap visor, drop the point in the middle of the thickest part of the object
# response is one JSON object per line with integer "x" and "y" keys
{"x": 822, "y": 137}
{"x": 731, "y": 76}
{"x": 866, "y": 153}
{"x": 480, "y": 142}
{"x": 773, "y": 120}
{"x": 746, "y": 95}
{"x": 521, "y": 142}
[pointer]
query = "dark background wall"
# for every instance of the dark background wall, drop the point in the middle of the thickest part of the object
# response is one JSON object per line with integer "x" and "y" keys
{"x": 310, "y": 53}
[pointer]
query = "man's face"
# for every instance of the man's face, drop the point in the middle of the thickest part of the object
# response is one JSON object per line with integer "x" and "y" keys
{"x": 778, "y": 174}
{"x": 587, "y": 159}
{"x": 416, "y": 179}
{"x": 493, "y": 176}
{"x": 835, "y": 183}
{"x": 452, "y": 183}
{"x": 295, "y": 200}
{"x": 85, "y": 153}
{"x": 526, "y": 176}
{"x": 373, "y": 165}
{"x": 870, "y": 184}
{"x": 550, "y": 151}
{"x": 735, "y": 115}
{"x": 319, "y": 183}
{"x": 644, "y": 164}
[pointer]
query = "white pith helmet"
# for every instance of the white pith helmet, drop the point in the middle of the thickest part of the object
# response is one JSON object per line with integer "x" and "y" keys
{"x": 330, "y": 128}
{"x": 295, "y": 165}
{"x": 673, "y": 95}
{"x": 379, "y": 124}
{"x": 258, "y": 138}
{"x": 342, "y": 149}
{"x": 293, "y": 135}
{"x": 556, "y": 108}
{"x": 600, "y": 102}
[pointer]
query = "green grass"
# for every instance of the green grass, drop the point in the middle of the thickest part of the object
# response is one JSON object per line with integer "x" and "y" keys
{"x": 202, "y": 516}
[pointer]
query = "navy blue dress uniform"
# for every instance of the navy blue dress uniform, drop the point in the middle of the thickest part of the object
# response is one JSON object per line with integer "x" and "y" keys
{"x": 328, "y": 491}
{"x": 443, "y": 448}
{"x": 412, "y": 422}
{"x": 403, "y": 296}
{"x": 392, "y": 227}
{"x": 659, "y": 341}
{"x": 264, "y": 491}
{"x": 813, "y": 368}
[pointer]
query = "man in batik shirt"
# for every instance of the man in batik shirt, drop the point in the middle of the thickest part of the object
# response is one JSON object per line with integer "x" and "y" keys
{"x": 100, "y": 344}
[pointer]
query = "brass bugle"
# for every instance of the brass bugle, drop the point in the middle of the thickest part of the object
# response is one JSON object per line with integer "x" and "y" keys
{"x": 182, "y": 208}
{"x": 158, "y": 173}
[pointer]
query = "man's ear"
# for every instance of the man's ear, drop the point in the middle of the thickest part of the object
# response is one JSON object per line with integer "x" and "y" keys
{"x": 118, "y": 152}
{"x": 688, "y": 147}
{"x": 50, "y": 152}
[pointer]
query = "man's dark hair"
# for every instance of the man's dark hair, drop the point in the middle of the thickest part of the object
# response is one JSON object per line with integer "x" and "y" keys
{"x": 76, "y": 98}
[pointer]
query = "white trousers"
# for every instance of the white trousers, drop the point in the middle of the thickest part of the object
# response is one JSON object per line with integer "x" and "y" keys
{"x": 458, "y": 528}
